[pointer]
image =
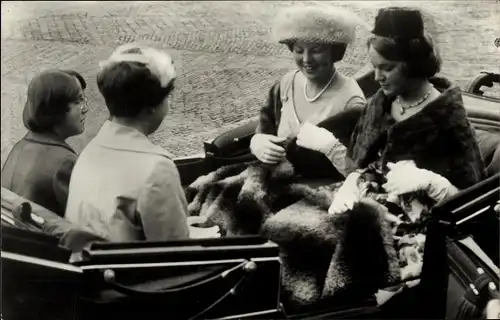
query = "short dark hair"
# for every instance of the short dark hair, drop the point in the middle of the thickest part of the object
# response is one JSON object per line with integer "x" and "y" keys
{"x": 338, "y": 49}
{"x": 48, "y": 98}
{"x": 419, "y": 54}
{"x": 129, "y": 87}
{"x": 78, "y": 76}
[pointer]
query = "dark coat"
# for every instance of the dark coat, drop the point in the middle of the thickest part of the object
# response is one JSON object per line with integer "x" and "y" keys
{"x": 38, "y": 168}
{"x": 439, "y": 138}
{"x": 270, "y": 113}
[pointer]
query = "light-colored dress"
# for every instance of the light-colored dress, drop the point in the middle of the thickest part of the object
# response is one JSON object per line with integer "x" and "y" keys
{"x": 342, "y": 94}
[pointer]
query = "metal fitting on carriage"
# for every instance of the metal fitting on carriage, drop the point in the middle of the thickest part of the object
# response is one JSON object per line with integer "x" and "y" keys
{"x": 250, "y": 266}
{"x": 109, "y": 276}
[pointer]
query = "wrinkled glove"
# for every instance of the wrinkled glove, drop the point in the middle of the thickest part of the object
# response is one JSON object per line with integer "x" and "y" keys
{"x": 267, "y": 149}
{"x": 315, "y": 138}
{"x": 404, "y": 177}
{"x": 201, "y": 233}
{"x": 321, "y": 140}
{"x": 347, "y": 195}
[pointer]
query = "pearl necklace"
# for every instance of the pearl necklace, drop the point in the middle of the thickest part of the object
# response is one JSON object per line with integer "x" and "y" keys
{"x": 403, "y": 108}
{"x": 321, "y": 92}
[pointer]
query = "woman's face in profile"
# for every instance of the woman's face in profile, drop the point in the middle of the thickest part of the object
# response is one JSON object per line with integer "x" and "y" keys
{"x": 74, "y": 121}
{"x": 389, "y": 74}
{"x": 313, "y": 60}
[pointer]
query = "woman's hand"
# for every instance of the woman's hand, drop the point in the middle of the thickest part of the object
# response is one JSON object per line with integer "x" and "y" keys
{"x": 201, "y": 233}
{"x": 492, "y": 309}
{"x": 346, "y": 196}
{"x": 265, "y": 147}
{"x": 404, "y": 177}
{"x": 315, "y": 138}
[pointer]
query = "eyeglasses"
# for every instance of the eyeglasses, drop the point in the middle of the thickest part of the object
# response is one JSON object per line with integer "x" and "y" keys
{"x": 82, "y": 102}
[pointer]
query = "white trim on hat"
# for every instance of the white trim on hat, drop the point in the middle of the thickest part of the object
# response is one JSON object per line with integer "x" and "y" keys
{"x": 158, "y": 62}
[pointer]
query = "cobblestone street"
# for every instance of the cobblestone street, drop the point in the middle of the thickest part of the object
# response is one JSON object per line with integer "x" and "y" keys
{"x": 225, "y": 58}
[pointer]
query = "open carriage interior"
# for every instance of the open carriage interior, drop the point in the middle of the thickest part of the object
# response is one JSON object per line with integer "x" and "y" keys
{"x": 46, "y": 261}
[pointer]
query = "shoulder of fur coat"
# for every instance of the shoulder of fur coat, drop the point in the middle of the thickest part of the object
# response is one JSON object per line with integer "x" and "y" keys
{"x": 439, "y": 138}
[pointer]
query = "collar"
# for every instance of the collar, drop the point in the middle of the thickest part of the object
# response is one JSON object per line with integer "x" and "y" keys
{"x": 447, "y": 107}
{"x": 115, "y": 136}
{"x": 46, "y": 140}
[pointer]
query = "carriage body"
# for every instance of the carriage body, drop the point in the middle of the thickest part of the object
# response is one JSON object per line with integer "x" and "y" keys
{"x": 239, "y": 277}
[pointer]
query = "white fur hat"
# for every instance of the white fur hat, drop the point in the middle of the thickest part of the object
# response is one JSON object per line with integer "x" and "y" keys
{"x": 158, "y": 62}
{"x": 315, "y": 24}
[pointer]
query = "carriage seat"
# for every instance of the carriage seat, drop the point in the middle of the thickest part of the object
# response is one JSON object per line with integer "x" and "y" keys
{"x": 48, "y": 222}
{"x": 484, "y": 114}
{"x": 489, "y": 144}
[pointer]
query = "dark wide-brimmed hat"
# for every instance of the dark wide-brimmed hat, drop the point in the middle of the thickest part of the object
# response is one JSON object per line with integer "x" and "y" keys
{"x": 399, "y": 23}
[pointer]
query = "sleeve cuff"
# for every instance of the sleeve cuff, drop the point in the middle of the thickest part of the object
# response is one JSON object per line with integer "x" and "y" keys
{"x": 441, "y": 189}
{"x": 337, "y": 156}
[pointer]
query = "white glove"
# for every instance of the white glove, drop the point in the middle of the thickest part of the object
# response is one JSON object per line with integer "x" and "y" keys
{"x": 347, "y": 195}
{"x": 201, "y": 233}
{"x": 492, "y": 309}
{"x": 404, "y": 177}
{"x": 315, "y": 138}
{"x": 265, "y": 147}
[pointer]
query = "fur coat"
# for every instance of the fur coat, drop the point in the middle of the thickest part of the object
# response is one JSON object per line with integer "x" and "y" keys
{"x": 439, "y": 138}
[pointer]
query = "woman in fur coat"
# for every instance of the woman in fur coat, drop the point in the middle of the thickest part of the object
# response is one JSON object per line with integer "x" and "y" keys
{"x": 413, "y": 145}
{"x": 317, "y": 38}
{"x": 415, "y": 130}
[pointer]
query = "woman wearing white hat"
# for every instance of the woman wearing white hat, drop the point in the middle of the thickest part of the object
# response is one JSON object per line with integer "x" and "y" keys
{"x": 317, "y": 38}
{"x": 123, "y": 187}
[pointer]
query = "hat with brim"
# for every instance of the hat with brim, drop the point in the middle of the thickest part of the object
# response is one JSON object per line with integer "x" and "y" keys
{"x": 315, "y": 25}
